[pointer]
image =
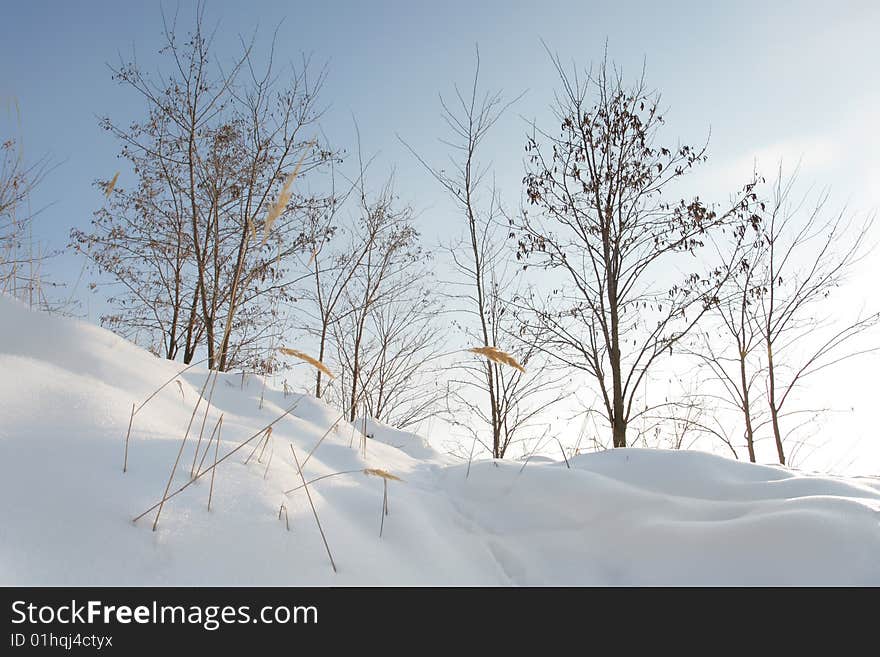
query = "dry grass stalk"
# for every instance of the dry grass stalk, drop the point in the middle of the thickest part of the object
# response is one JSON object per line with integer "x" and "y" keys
{"x": 386, "y": 477}
{"x": 135, "y": 411}
{"x": 364, "y": 437}
{"x": 180, "y": 387}
{"x": 372, "y": 472}
{"x": 180, "y": 451}
{"x": 247, "y": 441}
{"x": 384, "y": 507}
{"x": 311, "y": 361}
{"x": 208, "y": 446}
{"x": 326, "y": 476}
{"x": 567, "y": 464}
{"x": 312, "y": 504}
{"x": 171, "y": 380}
{"x": 283, "y": 507}
{"x": 269, "y": 462}
{"x": 538, "y": 444}
{"x": 470, "y": 458}
{"x": 192, "y": 470}
{"x": 127, "y": 434}
{"x": 495, "y": 354}
{"x": 283, "y": 196}
{"x": 214, "y": 467}
{"x": 265, "y": 444}
{"x": 266, "y": 433}
{"x": 111, "y": 185}
{"x": 321, "y": 440}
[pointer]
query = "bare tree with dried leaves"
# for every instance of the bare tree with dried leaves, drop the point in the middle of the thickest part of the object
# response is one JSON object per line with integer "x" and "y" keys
{"x": 629, "y": 286}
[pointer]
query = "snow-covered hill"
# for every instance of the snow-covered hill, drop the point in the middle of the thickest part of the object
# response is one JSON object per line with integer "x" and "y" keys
{"x": 617, "y": 517}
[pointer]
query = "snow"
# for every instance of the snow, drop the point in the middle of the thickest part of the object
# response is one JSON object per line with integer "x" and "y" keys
{"x": 619, "y": 517}
{"x": 407, "y": 442}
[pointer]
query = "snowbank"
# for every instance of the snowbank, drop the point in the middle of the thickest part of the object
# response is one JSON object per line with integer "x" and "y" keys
{"x": 618, "y": 517}
{"x": 408, "y": 443}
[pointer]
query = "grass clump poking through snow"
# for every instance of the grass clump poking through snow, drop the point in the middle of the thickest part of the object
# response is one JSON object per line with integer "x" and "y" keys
{"x": 267, "y": 435}
{"x": 180, "y": 451}
{"x": 140, "y": 407}
{"x": 234, "y": 450}
{"x": 386, "y": 477}
{"x": 370, "y": 472}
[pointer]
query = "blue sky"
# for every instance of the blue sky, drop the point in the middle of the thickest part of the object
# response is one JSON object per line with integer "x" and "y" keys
{"x": 796, "y": 80}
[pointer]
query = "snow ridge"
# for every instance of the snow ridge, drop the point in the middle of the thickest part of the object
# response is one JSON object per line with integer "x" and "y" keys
{"x": 619, "y": 517}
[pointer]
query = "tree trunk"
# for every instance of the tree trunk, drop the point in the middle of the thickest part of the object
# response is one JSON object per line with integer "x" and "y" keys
{"x": 356, "y": 366}
{"x": 747, "y": 408}
{"x": 774, "y": 411}
{"x": 200, "y": 263}
{"x": 618, "y": 421}
{"x": 189, "y": 350}
{"x": 320, "y": 358}
{"x": 497, "y": 451}
{"x": 619, "y": 431}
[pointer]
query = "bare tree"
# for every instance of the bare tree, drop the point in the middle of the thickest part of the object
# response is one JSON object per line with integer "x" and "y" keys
{"x": 486, "y": 284}
{"x": 211, "y": 161}
{"x": 688, "y": 415}
{"x": 21, "y": 257}
{"x": 733, "y": 377}
{"x": 803, "y": 254}
{"x": 387, "y": 283}
{"x": 140, "y": 240}
{"x": 335, "y": 256}
{"x": 602, "y": 222}
{"x": 729, "y": 352}
{"x": 399, "y": 378}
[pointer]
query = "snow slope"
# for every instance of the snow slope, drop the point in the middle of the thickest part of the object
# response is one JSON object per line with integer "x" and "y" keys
{"x": 615, "y": 518}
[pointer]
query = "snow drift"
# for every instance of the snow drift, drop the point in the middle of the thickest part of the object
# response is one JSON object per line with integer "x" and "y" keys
{"x": 620, "y": 517}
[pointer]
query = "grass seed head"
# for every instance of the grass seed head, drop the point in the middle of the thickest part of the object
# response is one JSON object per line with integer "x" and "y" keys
{"x": 384, "y": 474}
{"x": 498, "y": 356}
{"x": 314, "y": 362}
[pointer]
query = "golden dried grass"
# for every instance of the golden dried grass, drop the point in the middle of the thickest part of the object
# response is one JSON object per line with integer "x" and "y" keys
{"x": 111, "y": 185}
{"x": 384, "y": 474}
{"x": 283, "y": 196}
{"x": 305, "y": 357}
{"x": 498, "y": 356}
